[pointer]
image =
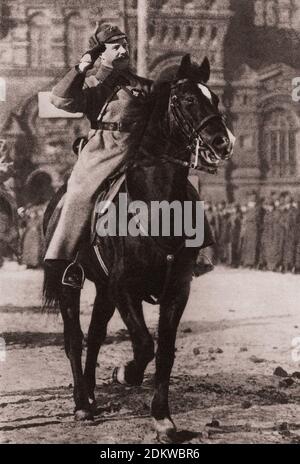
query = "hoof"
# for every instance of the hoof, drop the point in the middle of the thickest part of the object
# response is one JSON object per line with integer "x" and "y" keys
{"x": 83, "y": 415}
{"x": 165, "y": 430}
{"x": 93, "y": 404}
{"x": 118, "y": 375}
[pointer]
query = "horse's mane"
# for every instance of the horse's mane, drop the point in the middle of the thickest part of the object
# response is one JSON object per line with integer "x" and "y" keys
{"x": 155, "y": 128}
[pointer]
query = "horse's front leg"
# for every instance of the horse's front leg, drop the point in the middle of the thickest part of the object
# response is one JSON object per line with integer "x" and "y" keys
{"x": 131, "y": 311}
{"x": 170, "y": 315}
{"x": 102, "y": 312}
{"x": 70, "y": 309}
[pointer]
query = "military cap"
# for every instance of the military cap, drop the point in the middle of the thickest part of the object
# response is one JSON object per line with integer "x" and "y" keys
{"x": 106, "y": 33}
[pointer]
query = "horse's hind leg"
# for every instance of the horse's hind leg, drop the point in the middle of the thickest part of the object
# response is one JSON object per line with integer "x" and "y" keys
{"x": 102, "y": 312}
{"x": 131, "y": 311}
{"x": 170, "y": 314}
{"x": 69, "y": 306}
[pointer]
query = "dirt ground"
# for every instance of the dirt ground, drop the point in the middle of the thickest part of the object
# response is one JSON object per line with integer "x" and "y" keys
{"x": 238, "y": 327}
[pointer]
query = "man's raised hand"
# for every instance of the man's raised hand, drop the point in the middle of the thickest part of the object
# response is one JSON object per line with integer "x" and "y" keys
{"x": 88, "y": 59}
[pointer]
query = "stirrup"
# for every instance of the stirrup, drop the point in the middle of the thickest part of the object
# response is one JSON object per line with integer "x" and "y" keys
{"x": 73, "y": 279}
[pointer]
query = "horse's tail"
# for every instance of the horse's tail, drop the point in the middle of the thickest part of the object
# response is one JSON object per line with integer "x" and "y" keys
{"x": 52, "y": 288}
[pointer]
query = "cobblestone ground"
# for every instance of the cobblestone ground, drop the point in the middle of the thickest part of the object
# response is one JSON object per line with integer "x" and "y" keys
{"x": 238, "y": 327}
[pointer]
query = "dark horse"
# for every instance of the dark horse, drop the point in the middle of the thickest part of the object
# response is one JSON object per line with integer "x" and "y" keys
{"x": 184, "y": 120}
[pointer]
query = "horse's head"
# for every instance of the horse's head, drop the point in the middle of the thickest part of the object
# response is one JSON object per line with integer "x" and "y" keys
{"x": 194, "y": 116}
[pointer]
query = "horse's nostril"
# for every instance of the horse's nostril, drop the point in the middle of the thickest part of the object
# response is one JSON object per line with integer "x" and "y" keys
{"x": 221, "y": 141}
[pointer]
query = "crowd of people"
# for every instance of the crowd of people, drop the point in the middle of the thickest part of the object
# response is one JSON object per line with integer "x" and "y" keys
{"x": 21, "y": 229}
{"x": 263, "y": 233}
{"x": 22, "y": 240}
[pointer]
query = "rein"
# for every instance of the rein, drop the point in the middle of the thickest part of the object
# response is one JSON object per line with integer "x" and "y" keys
{"x": 193, "y": 136}
{"x": 196, "y": 144}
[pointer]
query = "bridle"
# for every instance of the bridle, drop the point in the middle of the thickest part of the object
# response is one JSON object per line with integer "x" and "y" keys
{"x": 202, "y": 151}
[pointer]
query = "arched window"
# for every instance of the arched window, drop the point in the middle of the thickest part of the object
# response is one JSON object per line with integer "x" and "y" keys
{"x": 39, "y": 39}
{"x": 279, "y": 143}
{"x": 76, "y": 38}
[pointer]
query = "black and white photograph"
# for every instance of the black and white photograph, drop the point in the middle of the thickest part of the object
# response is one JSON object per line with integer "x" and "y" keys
{"x": 149, "y": 223}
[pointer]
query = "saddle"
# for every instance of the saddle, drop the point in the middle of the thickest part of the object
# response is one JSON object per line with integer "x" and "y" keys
{"x": 104, "y": 199}
{"x": 106, "y": 194}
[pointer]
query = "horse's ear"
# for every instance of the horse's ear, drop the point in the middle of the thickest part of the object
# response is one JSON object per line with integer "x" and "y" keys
{"x": 204, "y": 70}
{"x": 184, "y": 67}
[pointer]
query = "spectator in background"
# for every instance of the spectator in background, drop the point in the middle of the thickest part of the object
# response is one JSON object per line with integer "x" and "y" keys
{"x": 279, "y": 232}
{"x": 211, "y": 214}
{"x": 289, "y": 246}
{"x": 236, "y": 235}
{"x": 33, "y": 239}
{"x": 227, "y": 236}
{"x": 221, "y": 211}
{"x": 251, "y": 232}
{"x": 297, "y": 238}
{"x": 267, "y": 235}
{"x": 4, "y": 229}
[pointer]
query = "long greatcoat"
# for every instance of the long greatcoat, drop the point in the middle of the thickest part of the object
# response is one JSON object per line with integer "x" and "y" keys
{"x": 251, "y": 237}
{"x": 110, "y": 97}
{"x": 280, "y": 216}
{"x": 290, "y": 239}
{"x": 267, "y": 241}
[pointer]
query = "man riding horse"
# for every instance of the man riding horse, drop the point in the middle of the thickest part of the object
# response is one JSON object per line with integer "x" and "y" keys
{"x": 117, "y": 103}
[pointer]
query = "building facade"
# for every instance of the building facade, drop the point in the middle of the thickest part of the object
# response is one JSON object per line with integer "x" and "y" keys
{"x": 253, "y": 48}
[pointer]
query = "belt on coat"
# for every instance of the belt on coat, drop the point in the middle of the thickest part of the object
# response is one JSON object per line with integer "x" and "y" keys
{"x": 113, "y": 126}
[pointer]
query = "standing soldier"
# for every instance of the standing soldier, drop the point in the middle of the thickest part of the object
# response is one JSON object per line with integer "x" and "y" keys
{"x": 251, "y": 233}
{"x": 227, "y": 236}
{"x": 288, "y": 261}
{"x": 267, "y": 236}
{"x": 297, "y": 233}
{"x": 237, "y": 218}
{"x": 221, "y": 230}
{"x": 279, "y": 232}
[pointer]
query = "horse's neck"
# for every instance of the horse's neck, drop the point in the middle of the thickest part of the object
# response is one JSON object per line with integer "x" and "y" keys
{"x": 155, "y": 178}
{"x": 161, "y": 181}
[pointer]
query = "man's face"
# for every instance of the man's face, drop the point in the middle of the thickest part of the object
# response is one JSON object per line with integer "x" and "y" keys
{"x": 116, "y": 54}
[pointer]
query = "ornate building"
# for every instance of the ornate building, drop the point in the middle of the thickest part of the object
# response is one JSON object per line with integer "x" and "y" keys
{"x": 267, "y": 127}
{"x": 253, "y": 47}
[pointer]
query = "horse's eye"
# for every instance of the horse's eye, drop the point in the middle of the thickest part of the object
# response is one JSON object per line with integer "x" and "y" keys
{"x": 190, "y": 100}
